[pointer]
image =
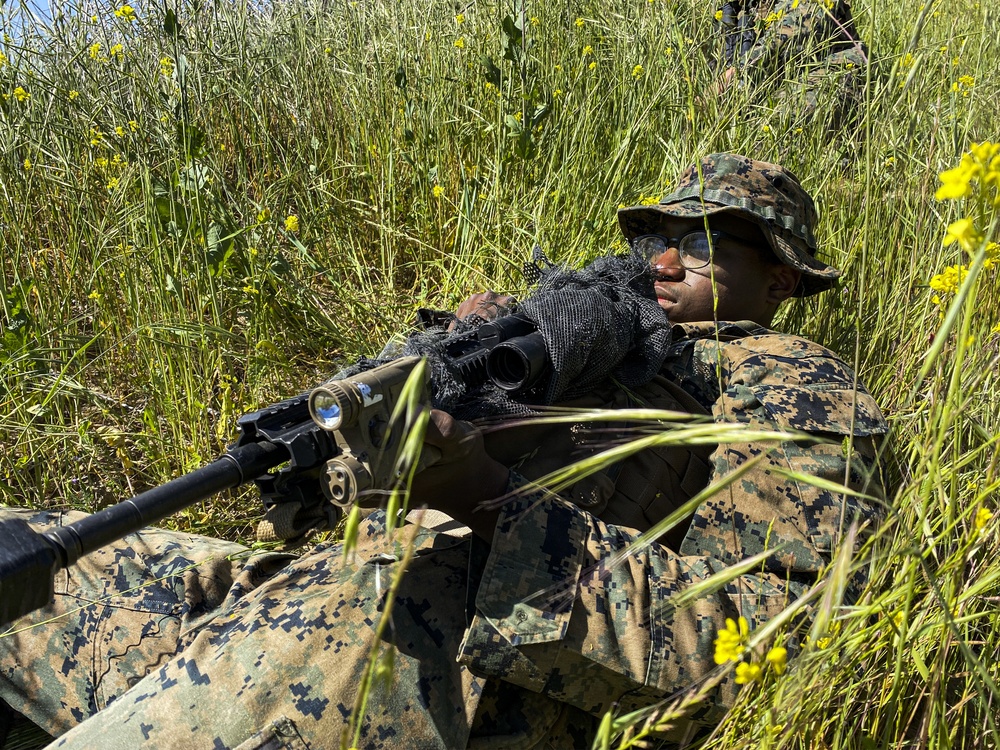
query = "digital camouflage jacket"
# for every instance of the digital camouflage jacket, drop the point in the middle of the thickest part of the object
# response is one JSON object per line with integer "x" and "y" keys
{"x": 521, "y": 645}
{"x": 812, "y": 44}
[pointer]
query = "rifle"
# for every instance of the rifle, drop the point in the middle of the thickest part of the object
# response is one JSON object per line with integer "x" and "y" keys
{"x": 316, "y": 454}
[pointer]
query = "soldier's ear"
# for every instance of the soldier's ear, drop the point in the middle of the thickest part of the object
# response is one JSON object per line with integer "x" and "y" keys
{"x": 783, "y": 283}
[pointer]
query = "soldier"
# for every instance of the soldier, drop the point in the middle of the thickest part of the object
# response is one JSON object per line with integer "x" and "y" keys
{"x": 804, "y": 48}
{"x": 523, "y": 633}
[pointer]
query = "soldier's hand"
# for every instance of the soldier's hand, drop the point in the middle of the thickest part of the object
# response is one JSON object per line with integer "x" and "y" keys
{"x": 483, "y": 304}
{"x": 463, "y": 477}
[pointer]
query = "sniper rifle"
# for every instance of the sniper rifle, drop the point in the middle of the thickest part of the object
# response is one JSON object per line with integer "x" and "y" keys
{"x": 310, "y": 456}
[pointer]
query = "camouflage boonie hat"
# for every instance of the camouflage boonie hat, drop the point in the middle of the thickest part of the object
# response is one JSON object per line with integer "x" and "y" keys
{"x": 766, "y": 194}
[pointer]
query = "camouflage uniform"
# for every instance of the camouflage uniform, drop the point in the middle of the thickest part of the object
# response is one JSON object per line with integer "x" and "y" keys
{"x": 521, "y": 644}
{"x": 809, "y": 49}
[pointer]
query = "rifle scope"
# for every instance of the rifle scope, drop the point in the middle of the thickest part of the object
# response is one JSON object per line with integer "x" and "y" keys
{"x": 516, "y": 364}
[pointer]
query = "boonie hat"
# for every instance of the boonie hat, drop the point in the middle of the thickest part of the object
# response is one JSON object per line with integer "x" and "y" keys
{"x": 768, "y": 195}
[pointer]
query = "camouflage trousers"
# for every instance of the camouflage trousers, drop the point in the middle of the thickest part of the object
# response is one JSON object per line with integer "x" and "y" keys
{"x": 167, "y": 639}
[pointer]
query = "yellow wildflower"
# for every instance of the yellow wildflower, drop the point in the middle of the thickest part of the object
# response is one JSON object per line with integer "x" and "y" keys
{"x": 263, "y": 215}
{"x": 948, "y": 281}
{"x": 579, "y": 23}
{"x": 730, "y": 641}
{"x": 116, "y": 50}
{"x": 777, "y": 657}
{"x": 27, "y": 164}
{"x": 747, "y": 672}
{"x": 557, "y": 93}
{"x": 983, "y": 517}
{"x": 967, "y": 81}
{"x": 96, "y": 136}
{"x": 588, "y": 50}
{"x": 21, "y": 95}
{"x": 292, "y": 223}
{"x": 773, "y": 18}
{"x": 535, "y": 21}
{"x": 592, "y": 66}
{"x": 437, "y": 191}
{"x": 637, "y": 71}
{"x": 133, "y": 125}
{"x": 460, "y": 18}
{"x": 126, "y": 12}
{"x": 955, "y": 183}
{"x": 460, "y": 42}
{"x": 94, "y": 50}
{"x": 119, "y": 131}
{"x": 112, "y": 183}
{"x": 964, "y": 233}
{"x": 3, "y": 59}
{"x": 718, "y": 15}
{"x": 73, "y": 94}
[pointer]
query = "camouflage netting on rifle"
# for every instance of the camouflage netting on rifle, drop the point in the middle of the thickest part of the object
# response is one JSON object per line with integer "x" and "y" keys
{"x": 598, "y": 322}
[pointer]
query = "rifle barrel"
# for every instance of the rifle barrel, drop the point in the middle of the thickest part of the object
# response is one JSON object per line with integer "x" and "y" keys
{"x": 105, "y": 526}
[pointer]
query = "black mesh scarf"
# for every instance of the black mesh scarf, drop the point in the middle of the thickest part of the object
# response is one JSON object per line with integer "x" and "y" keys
{"x": 599, "y": 322}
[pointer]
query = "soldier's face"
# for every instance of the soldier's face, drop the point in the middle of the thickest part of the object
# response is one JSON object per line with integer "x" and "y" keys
{"x": 737, "y": 284}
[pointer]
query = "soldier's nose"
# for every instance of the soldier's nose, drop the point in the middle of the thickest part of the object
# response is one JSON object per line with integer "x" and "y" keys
{"x": 667, "y": 266}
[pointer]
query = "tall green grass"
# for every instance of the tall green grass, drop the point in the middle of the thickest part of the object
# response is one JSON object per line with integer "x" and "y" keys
{"x": 154, "y": 287}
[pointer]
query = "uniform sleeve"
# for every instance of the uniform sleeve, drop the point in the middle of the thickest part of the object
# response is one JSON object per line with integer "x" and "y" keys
{"x": 569, "y": 606}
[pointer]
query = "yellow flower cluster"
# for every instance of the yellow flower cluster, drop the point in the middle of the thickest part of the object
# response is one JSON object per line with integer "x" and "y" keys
{"x": 21, "y": 95}
{"x": 981, "y": 163}
{"x": 983, "y": 517}
{"x": 126, "y": 12}
{"x": 731, "y": 641}
{"x": 730, "y": 645}
{"x": 773, "y": 18}
{"x": 291, "y": 223}
{"x": 637, "y": 71}
{"x": 977, "y": 178}
{"x": 949, "y": 280}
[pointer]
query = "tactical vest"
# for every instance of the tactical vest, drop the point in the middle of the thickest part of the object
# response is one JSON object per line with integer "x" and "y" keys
{"x": 636, "y": 492}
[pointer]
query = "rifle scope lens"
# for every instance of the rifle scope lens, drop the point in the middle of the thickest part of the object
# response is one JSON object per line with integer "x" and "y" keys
{"x": 326, "y": 410}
